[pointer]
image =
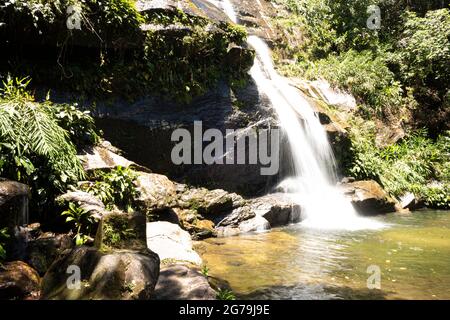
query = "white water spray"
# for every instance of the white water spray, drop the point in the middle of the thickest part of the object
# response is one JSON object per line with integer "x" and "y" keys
{"x": 312, "y": 182}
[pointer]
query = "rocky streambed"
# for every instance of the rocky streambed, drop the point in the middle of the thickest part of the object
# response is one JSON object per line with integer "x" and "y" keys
{"x": 147, "y": 253}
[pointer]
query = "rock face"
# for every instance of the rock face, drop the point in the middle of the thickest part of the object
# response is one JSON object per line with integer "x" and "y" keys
{"x": 103, "y": 157}
{"x": 202, "y": 8}
{"x": 120, "y": 275}
{"x": 18, "y": 281}
{"x": 322, "y": 90}
{"x": 181, "y": 282}
{"x": 171, "y": 243}
{"x": 369, "y": 198}
{"x": 13, "y": 203}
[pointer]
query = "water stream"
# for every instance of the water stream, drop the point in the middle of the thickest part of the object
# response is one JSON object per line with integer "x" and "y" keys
{"x": 297, "y": 262}
{"x": 311, "y": 171}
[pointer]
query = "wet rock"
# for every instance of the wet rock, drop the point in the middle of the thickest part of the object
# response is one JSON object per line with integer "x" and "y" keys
{"x": 18, "y": 281}
{"x": 120, "y": 230}
{"x": 277, "y": 209}
{"x": 195, "y": 224}
{"x": 181, "y": 282}
{"x": 340, "y": 143}
{"x": 238, "y": 57}
{"x": 257, "y": 223}
{"x": 120, "y": 275}
{"x": 207, "y": 202}
{"x": 369, "y": 198}
{"x": 13, "y": 203}
{"x": 235, "y": 218}
{"x": 86, "y": 201}
{"x": 43, "y": 250}
{"x": 171, "y": 242}
{"x": 132, "y": 127}
{"x": 255, "y": 16}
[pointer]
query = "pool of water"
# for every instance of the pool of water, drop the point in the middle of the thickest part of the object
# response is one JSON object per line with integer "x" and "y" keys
{"x": 295, "y": 262}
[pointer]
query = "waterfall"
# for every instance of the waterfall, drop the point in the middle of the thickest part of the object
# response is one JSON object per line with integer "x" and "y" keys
{"x": 311, "y": 180}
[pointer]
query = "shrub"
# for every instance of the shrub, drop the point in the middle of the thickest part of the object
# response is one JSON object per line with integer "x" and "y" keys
{"x": 225, "y": 294}
{"x": 79, "y": 124}
{"x": 411, "y": 165}
{"x": 35, "y": 149}
{"x": 82, "y": 221}
{"x": 364, "y": 74}
{"x": 116, "y": 187}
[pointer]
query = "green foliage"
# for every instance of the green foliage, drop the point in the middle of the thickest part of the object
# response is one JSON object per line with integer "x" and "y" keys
{"x": 116, "y": 187}
{"x": 409, "y": 166}
{"x": 424, "y": 54}
{"x": 205, "y": 270}
{"x": 79, "y": 124}
{"x": 364, "y": 74}
{"x": 225, "y": 294}
{"x": 3, "y": 236}
{"x": 35, "y": 149}
{"x": 116, "y": 230}
{"x": 82, "y": 221}
{"x": 403, "y": 65}
{"x": 123, "y": 61}
{"x": 422, "y": 57}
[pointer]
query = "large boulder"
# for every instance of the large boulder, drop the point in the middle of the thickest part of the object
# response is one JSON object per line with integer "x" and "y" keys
{"x": 182, "y": 282}
{"x": 103, "y": 157}
{"x": 156, "y": 192}
{"x": 119, "y": 275}
{"x": 257, "y": 223}
{"x": 18, "y": 281}
{"x": 209, "y": 202}
{"x": 171, "y": 242}
{"x": 13, "y": 203}
{"x": 277, "y": 209}
{"x": 369, "y": 198}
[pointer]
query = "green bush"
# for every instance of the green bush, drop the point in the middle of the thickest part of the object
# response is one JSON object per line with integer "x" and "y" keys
{"x": 364, "y": 74}
{"x": 82, "y": 221}
{"x": 79, "y": 124}
{"x": 116, "y": 187}
{"x": 412, "y": 165}
{"x": 35, "y": 149}
{"x": 225, "y": 294}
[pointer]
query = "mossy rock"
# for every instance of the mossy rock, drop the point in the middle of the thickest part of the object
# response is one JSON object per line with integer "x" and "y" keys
{"x": 119, "y": 230}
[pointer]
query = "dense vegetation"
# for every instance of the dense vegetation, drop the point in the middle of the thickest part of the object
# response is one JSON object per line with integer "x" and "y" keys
{"x": 118, "y": 51}
{"x": 399, "y": 72}
{"x": 38, "y": 142}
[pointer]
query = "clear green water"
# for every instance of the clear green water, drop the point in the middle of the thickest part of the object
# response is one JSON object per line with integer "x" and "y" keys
{"x": 413, "y": 254}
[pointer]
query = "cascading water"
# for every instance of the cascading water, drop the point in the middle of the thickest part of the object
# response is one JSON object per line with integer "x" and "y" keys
{"x": 312, "y": 180}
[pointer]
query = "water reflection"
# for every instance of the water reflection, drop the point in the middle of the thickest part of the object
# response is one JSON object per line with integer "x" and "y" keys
{"x": 302, "y": 263}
